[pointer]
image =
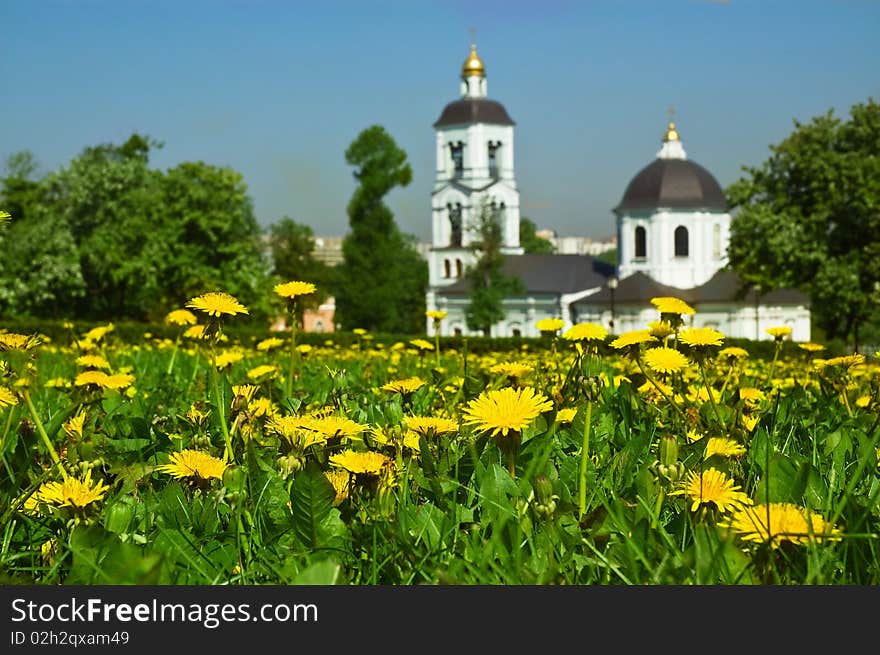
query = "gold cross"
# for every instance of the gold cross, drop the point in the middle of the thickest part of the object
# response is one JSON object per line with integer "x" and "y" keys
{"x": 472, "y": 31}
{"x": 671, "y": 113}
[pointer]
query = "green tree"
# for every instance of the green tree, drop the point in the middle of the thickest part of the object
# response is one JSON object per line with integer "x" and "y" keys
{"x": 292, "y": 247}
{"x": 809, "y": 217}
{"x": 383, "y": 278}
{"x": 530, "y": 241}
{"x": 489, "y": 285}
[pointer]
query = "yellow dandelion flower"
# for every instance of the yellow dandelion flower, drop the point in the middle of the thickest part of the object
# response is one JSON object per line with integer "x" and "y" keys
{"x": 779, "y": 522}
{"x": 57, "y": 383}
{"x": 585, "y": 332}
{"x": 245, "y": 391}
{"x": 303, "y": 349}
{"x": 811, "y": 347}
{"x": 119, "y": 381}
{"x": 661, "y": 329}
{"x": 73, "y": 427}
{"x": 195, "y": 332}
{"x": 294, "y": 288}
{"x": 633, "y": 338}
{"x": 700, "y": 337}
{"x": 863, "y": 401}
{"x": 72, "y": 492}
{"x": 180, "y": 317}
{"x": 421, "y": 344}
{"x": 14, "y": 341}
{"x": 436, "y": 314}
{"x": 749, "y": 422}
{"x": 511, "y": 369}
{"x": 732, "y": 353}
{"x": 846, "y": 361}
{"x": 7, "y": 397}
{"x": 194, "y": 464}
{"x": 333, "y": 426}
{"x": 341, "y": 481}
{"x": 723, "y": 447}
{"x": 360, "y": 462}
{"x": 666, "y": 360}
{"x": 779, "y": 332}
{"x": 270, "y": 343}
{"x": 751, "y": 396}
{"x": 503, "y": 410}
{"x": 712, "y": 486}
{"x": 227, "y": 359}
{"x": 217, "y": 303}
{"x": 99, "y": 332}
{"x": 404, "y": 386}
{"x": 92, "y": 361}
{"x": 262, "y": 407}
{"x": 550, "y": 324}
{"x": 266, "y": 371}
{"x": 693, "y": 436}
{"x": 430, "y": 425}
{"x": 671, "y": 305}
{"x": 566, "y": 415}
{"x": 91, "y": 377}
{"x": 359, "y": 331}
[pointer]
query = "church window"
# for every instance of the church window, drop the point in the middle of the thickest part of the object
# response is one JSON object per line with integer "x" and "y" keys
{"x": 457, "y": 150}
{"x": 493, "y": 158}
{"x": 516, "y": 332}
{"x": 457, "y": 331}
{"x": 716, "y": 241}
{"x": 458, "y": 268}
{"x": 447, "y": 270}
{"x": 681, "y": 241}
{"x": 454, "y": 223}
{"x": 641, "y": 242}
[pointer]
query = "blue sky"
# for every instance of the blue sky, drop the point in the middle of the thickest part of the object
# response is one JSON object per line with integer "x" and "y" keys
{"x": 277, "y": 90}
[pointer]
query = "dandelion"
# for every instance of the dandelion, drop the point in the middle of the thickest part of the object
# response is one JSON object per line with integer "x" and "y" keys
{"x": 341, "y": 481}
{"x": 7, "y": 397}
{"x": 585, "y": 332}
{"x": 72, "y": 492}
{"x": 14, "y": 341}
{"x": 97, "y": 333}
{"x": 733, "y": 353}
{"x": 196, "y": 465}
{"x": 723, "y": 447}
{"x": 436, "y": 314}
{"x": 633, "y": 338}
{"x": 779, "y": 332}
{"x": 227, "y": 359}
{"x": 269, "y": 344}
{"x": 671, "y": 305}
{"x": 196, "y": 332}
{"x": 217, "y": 303}
{"x": 92, "y": 361}
{"x": 180, "y": 317}
{"x": 503, "y": 410}
{"x": 661, "y": 329}
{"x": 73, "y": 427}
{"x": 550, "y": 325}
{"x": 512, "y": 370}
{"x": 265, "y": 371}
{"x": 404, "y": 386}
{"x": 333, "y": 426}
{"x": 666, "y": 360}
{"x": 421, "y": 344}
{"x": 360, "y": 462}
{"x": 566, "y": 415}
{"x": 295, "y": 288}
{"x": 780, "y": 522}
{"x": 811, "y": 347}
{"x": 700, "y": 337}
{"x": 430, "y": 425}
{"x": 712, "y": 487}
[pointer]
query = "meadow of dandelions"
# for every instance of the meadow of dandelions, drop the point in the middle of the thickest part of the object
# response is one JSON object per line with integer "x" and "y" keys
{"x": 664, "y": 455}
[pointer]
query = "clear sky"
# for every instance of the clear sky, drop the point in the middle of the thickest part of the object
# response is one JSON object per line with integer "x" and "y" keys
{"x": 278, "y": 89}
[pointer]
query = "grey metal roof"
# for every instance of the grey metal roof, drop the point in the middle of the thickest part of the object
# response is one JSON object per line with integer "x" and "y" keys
{"x": 474, "y": 110}
{"x": 547, "y": 274}
{"x": 723, "y": 287}
{"x": 675, "y": 184}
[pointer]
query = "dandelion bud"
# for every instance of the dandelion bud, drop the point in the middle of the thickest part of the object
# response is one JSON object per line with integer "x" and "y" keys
{"x": 543, "y": 489}
{"x": 668, "y": 450}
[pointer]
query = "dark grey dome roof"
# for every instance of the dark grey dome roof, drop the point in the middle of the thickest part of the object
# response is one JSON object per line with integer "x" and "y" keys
{"x": 674, "y": 184}
{"x": 474, "y": 110}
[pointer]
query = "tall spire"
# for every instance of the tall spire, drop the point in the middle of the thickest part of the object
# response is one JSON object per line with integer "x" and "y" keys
{"x": 473, "y": 73}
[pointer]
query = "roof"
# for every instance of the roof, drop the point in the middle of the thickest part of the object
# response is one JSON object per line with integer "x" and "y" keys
{"x": 474, "y": 110}
{"x": 547, "y": 274}
{"x": 675, "y": 184}
{"x": 723, "y": 287}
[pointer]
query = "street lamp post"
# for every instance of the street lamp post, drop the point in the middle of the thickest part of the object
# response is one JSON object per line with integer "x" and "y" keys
{"x": 612, "y": 285}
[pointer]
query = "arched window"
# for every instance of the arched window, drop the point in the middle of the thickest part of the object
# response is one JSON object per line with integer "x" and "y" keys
{"x": 641, "y": 242}
{"x": 458, "y": 268}
{"x": 716, "y": 241}
{"x": 454, "y": 223}
{"x": 446, "y": 268}
{"x": 681, "y": 241}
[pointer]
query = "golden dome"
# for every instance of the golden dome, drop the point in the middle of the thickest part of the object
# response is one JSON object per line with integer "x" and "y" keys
{"x": 473, "y": 65}
{"x": 671, "y": 133}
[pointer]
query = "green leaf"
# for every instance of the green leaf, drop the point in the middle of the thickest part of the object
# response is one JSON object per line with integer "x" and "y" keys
{"x": 312, "y": 498}
{"x": 325, "y": 572}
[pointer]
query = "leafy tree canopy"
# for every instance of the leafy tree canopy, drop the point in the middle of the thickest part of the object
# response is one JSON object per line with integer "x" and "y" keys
{"x": 383, "y": 278}
{"x": 809, "y": 217}
{"x": 530, "y": 241}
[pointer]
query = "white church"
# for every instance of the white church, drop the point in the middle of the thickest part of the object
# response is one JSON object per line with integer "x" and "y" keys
{"x": 673, "y": 229}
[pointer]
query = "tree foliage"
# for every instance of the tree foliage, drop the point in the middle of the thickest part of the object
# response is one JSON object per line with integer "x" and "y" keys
{"x": 530, "y": 241}
{"x": 383, "y": 278}
{"x": 107, "y": 237}
{"x": 489, "y": 285}
{"x": 809, "y": 217}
